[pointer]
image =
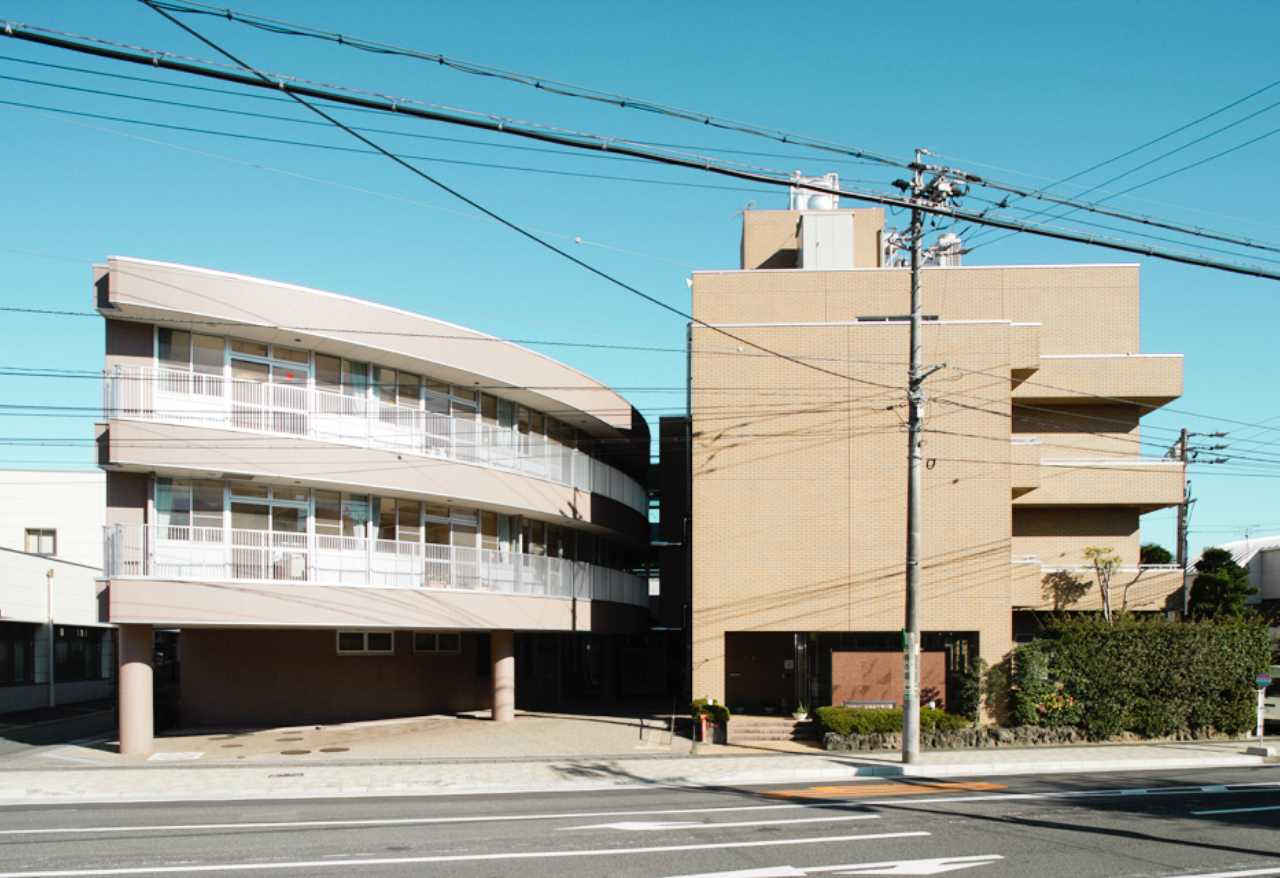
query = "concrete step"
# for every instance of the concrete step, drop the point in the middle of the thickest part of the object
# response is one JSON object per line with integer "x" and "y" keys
{"x": 772, "y": 730}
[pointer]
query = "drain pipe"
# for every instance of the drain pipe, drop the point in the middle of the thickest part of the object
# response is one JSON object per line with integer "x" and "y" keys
{"x": 49, "y": 589}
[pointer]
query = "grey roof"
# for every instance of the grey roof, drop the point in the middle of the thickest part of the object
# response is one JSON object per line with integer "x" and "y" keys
{"x": 1242, "y": 551}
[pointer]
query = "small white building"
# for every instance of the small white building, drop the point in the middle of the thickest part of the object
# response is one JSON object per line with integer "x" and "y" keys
{"x": 1261, "y": 557}
{"x": 50, "y": 562}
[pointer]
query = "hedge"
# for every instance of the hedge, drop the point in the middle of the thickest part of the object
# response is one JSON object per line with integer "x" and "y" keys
{"x": 855, "y": 721}
{"x": 716, "y": 713}
{"x": 1151, "y": 677}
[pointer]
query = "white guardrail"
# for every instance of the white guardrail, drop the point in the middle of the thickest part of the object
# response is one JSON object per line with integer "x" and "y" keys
{"x": 140, "y": 393}
{"x": 227, "y": 555}
{"x": 1109, "y": 461}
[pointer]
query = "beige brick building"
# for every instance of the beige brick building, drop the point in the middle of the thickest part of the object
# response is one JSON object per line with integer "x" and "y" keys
{"x": 798, "y": 466}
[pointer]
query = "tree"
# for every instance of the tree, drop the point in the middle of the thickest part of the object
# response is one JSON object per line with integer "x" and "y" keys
{"x": 1221, "y": 588}
{"x": 1154, "y": 553}
{"x": 1105, "y": 564}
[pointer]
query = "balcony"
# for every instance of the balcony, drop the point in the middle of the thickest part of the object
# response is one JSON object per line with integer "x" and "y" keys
{"x": 305, "y": 412}
{"x": 1146, "y": 482}
{"x": 146, "y": 551}
{"x": 1142, "y": 588}
{"x": 1145, "y": 379}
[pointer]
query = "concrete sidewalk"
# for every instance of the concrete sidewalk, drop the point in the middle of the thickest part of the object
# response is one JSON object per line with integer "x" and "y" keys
{"x": 453, "y": 755}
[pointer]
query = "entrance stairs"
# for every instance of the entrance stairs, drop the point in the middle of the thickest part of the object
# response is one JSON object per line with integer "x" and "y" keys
{"x": 753, "y": 729}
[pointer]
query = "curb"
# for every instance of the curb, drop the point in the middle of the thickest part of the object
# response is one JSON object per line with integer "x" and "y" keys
{"x": 17, "y": 796}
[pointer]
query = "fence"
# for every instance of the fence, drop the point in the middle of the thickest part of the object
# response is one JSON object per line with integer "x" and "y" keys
{"x": 306, "y": 412}
{"x": 223, "y": 554}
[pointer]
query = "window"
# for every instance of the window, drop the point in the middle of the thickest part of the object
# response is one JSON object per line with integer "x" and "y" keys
{"x": 188, "y": 503}
{"x": 78, "y": 654}
{"x": 17, "y": 653}
{"x": 366, "y": 642}
{"x": 42, "y": 541}
{"x": 432, "y": 641}
{"x": 188, "y": 351}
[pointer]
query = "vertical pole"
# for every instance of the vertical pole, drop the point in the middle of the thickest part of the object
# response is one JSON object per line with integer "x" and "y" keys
{"x": 1182, "y": 524}
{"x": 52, "y": 640}
{"x": 136, "y": 664}
{"x": 911, "y": 633}
{"x": 503, "y": 646}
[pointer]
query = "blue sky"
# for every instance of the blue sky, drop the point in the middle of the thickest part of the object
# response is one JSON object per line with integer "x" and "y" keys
{"x": 1025, "y": 92}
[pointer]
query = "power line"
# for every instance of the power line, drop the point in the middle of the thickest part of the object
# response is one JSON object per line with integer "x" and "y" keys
{"x": 283, "y": 27}
{"x": 596, "y": 143}
{"x": 334, "y": 148}
{"x": 1165, "y": 155}
{"x": 541, "y": 83}
{"x": 577, "y": 239}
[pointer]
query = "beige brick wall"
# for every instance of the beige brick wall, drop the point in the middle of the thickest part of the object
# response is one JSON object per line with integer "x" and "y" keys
{"x": 799, "y": 474}
{"x": 1058, "y": 536}
{"x": 1149, "y": 379}
{"x": 771, "y": 238}
{"x": 799, "y": 488}
{"x": 1143, "y": 591}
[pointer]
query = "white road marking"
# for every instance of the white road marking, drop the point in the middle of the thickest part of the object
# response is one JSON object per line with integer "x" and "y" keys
{"x": 765, "y": 872}
{"x": 689, "y": 824}
{"x": 406, "y": 821}
{"x": 893, "y": 867}
{"x": 1236, "y": 810}
{"x": 1258, "y": 787}
{"x": 1246, "y": 873}
{"x": 917, "y": 867}
{"x": 454, "y": 858}
{"x": 181, "y": 756}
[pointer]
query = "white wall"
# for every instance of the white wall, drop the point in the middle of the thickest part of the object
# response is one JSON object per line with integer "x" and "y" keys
{"x": 1264, "y": 574}
{"x": 72, "y": 503}
{"x": 24, "y": 589}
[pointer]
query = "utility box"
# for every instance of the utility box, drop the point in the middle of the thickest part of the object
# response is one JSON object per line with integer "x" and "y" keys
{"x": 826, "y": 240}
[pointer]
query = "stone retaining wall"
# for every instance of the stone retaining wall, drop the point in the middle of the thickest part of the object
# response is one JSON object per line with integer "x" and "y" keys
{"x": 987, "y": 738}
{"x": 960, "y": 739}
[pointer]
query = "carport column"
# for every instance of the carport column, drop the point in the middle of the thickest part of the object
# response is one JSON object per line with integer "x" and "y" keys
{"x": 136, "y": 722}
{"x": 503, "y": 646}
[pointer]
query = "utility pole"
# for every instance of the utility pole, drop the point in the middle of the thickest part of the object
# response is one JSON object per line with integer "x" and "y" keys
{"x": 1186, "y": 454}
{"x": 1182, "y": 523}
{"x": 911, "y": 633}
{"x": 938, "y": 191}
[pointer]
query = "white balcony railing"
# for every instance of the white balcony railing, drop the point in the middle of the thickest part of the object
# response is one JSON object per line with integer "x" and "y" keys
{"x": 304, "y": 412}
{"x": 206, "y": 554}
{"x": 1109, "y": 461}
{"x": 1088, "y": 568}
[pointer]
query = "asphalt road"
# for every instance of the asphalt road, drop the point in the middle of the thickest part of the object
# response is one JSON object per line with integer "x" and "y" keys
{"x": 1150, "y": 824}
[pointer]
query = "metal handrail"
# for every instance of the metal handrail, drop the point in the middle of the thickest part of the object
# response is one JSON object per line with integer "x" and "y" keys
{"x": 307, "y": 412}
{"x": 1109, "y": 461}
{"x": 208, "y": 554}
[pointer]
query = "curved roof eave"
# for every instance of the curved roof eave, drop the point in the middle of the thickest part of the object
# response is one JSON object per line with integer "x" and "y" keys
{"x": 346, "y": 326}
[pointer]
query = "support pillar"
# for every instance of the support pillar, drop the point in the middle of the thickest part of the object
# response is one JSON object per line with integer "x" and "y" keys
{"x": 503, "y": 647}
{"x": 136, "y": 720}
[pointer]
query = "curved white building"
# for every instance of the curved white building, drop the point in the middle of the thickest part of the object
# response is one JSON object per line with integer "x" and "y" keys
{"x": 349, "y": 510}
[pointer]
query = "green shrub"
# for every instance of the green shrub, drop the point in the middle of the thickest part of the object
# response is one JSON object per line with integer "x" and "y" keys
{"x": 979, "y": 685}
{"x": 856, "y": 721}
{"x": 716, "y": 713}
{"x": 1150, "y": 677}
